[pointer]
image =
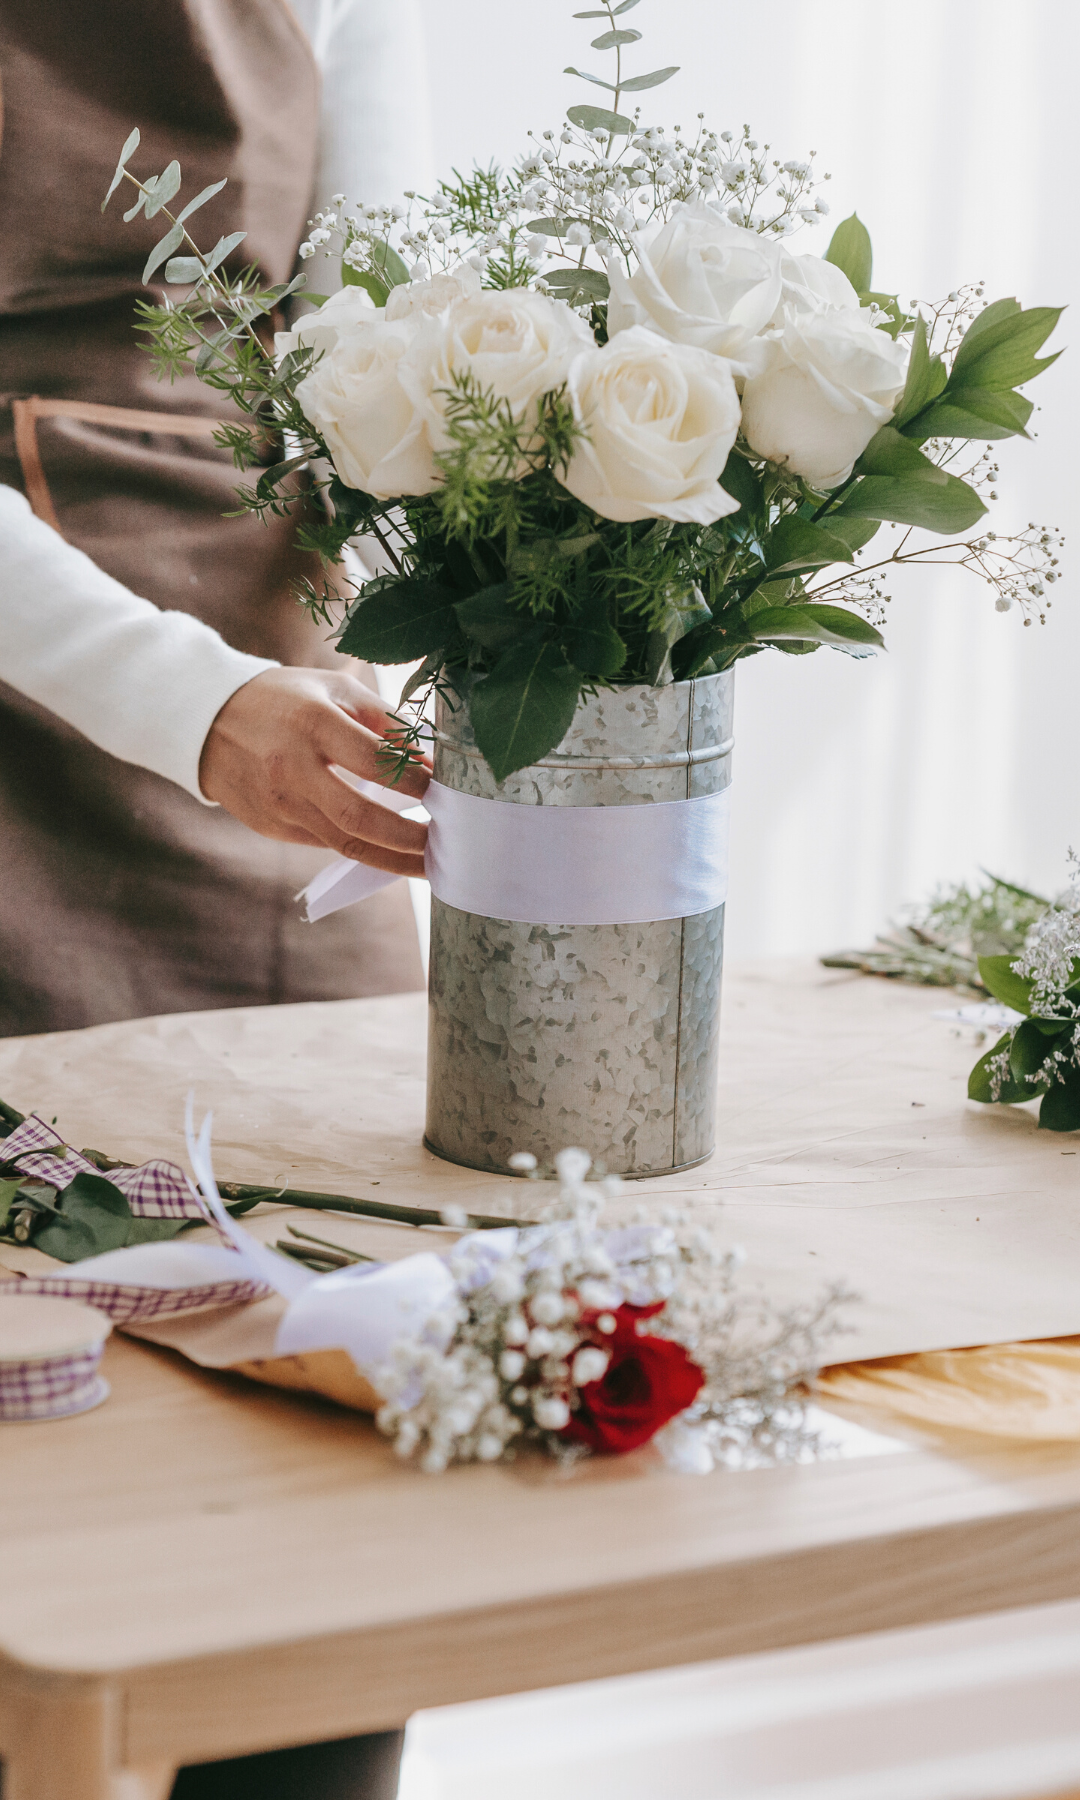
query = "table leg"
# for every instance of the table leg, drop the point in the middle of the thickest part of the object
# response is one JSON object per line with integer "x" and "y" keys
{"x": 61, "y": 1742}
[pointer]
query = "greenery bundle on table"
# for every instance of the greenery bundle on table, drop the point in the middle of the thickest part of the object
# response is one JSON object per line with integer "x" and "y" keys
{"x": 1040, "y": 1055}
{"x": 1004, "y": 942}
{"x": 603, "y": 424}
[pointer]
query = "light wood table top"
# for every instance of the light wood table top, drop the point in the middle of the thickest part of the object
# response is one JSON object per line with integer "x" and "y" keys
{"x": 203, "y": 1567}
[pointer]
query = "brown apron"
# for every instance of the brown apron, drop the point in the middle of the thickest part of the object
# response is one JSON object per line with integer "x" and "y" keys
{"x": 119, "y": 894}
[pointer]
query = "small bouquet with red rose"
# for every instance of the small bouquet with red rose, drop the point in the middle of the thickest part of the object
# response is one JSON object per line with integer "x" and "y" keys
{"x": 585, "y": 1338}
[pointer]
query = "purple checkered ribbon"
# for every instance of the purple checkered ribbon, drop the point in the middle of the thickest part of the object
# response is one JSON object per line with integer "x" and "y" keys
{"x": 155, "y": 1190}
{"x": 51, "y": 1387}
{"x": 127, "y": 1304}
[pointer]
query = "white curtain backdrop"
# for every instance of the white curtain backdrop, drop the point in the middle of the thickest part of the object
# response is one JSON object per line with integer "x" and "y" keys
{"x": 948, "y": 125}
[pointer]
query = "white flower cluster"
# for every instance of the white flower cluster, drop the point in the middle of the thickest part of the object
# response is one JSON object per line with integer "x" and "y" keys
{"x": 707, "y": 308}
{"x": 1052, "y": 950}
{"x": 535, "y": 1309}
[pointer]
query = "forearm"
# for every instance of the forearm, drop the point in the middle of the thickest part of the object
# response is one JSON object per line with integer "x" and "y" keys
{"x": 142, "y": 684}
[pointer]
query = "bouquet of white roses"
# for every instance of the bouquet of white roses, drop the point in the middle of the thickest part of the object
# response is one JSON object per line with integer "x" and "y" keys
{"x": 604, "y": 424}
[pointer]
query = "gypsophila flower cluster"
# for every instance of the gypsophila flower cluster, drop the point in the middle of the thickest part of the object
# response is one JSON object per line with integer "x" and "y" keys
{"x": 1052, "y": 951}
{"x": 570, "y": 203}
{"x": 544, "y": 1314}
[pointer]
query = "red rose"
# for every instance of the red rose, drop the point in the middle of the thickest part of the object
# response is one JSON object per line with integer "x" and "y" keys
{"x": 647, "y": 1381}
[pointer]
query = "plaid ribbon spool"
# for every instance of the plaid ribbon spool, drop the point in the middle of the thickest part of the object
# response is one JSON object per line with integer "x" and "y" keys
{"x": 50, "y": 1357}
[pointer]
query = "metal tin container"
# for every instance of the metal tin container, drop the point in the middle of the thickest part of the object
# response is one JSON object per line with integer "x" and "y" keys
{"x": 602, "y": 1036}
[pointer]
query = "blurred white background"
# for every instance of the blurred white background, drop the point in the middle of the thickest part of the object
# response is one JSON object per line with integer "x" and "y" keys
{"x": 947, "y": 126}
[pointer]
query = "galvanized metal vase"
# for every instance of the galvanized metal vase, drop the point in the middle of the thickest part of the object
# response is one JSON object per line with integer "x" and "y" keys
{"x": 602, "y": 1036}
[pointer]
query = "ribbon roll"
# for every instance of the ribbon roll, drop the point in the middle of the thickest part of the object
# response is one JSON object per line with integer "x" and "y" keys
{"x": 50, "y": 1354}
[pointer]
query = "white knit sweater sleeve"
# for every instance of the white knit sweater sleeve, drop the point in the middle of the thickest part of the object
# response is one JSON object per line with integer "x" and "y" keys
{"x": 143, "y": 684}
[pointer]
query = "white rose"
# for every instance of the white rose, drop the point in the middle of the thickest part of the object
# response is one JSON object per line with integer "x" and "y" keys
{"x": 514, "y": 342}
{"x": 809, "y": 283}
{"x": 661, "y": 419}
{"x": 319, "y": 331}
{"x": 418, "y": 300}
{"x": 699, "y": 281}
{"x": 373, "y": 431}
{"x": 827, "y": 381}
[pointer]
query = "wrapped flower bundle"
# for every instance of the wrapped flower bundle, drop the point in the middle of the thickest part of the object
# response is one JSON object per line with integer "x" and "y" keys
{"x": 602, "y": 423}
{"x": 587, "y": 1339}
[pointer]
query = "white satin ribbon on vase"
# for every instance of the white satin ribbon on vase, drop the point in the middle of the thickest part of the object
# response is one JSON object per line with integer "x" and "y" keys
{"x": 559, "y": 865}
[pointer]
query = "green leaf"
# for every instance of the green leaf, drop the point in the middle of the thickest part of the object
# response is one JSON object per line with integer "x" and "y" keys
{"x": 710, "y": 643}
{"x": 183, "y": 270}
{"x": 93, "y": 1217}
{"x": 364, "y": 278}
{"x": 743, "y": 484}
{"x": 992, "y": 315}
{"x": 595, "y": 118}
{"x": 855, "y": 533}
{"x": 419, "y": 677}
{"x": 131, "y": 144}
{"x": 977, "y": 413}
{"x": 576, "y": 285}
{"x": 888, "y": 453}
{"x": 624, "y": 6}
{"x": 999, "y": 977}
{"x": 403, "y": 620}
{"x": 166, "y": 185}
{"x": 389, "y": 265}
{"x": 8, "y": 1191}
{"x": 224, "y": 247}
{"x": 910, "y": 500}
{"x": 1002, "y": 355}
{"x": 926, "y": 377}
{"x": 583, "y": 75}
{"x": 549, "y": 227}
{"x": 490, "y": 621}
{"x": 524, "y": 707}
{"x": 638, "y": 83}
{"x": 1060, "y": 1110}
{"x": 591, "y": 642}
{"x": 207, "y": 193}
{"x": 162, "y": 251}
{"x": 849, "y": 250}
{"x": 271, "y": 478}
{"x": 1010, "y": 1091}
{"x": 609, "y": 40}
{"x": 815, "y": 622}
{"x": 1029, "y": 1050}
{"x": 795, "y": 545}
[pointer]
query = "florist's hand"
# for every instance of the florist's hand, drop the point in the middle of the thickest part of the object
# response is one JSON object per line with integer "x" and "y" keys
{"x": 267, "y": 760}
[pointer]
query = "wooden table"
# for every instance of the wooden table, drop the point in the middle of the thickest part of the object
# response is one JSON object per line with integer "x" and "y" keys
{"x": 203, "y": 1568}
